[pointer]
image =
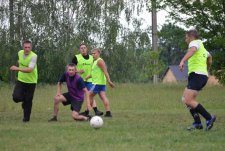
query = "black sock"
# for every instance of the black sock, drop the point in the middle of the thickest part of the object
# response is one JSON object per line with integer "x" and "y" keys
{"x": 95, "y": 109}
{"x": 201, "y": 110}
{"x": 195, "y": 116}
{"x": 86, "y": 112}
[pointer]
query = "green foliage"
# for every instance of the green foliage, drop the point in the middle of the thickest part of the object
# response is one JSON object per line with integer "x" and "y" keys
{"x": 150, "y": 64}
{"x": 171, "y": 44}
{"x": 207, "y": 16}
{"x": 219, "y": 64}
{"x": 57, "y": 28}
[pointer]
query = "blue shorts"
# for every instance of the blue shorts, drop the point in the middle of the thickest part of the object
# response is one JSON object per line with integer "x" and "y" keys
{"x": 98, "y": 88}
{"x": 88, "y": 85}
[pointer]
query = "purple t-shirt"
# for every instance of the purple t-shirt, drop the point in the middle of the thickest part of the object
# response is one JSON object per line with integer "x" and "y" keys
{"x": 75, "y": 85}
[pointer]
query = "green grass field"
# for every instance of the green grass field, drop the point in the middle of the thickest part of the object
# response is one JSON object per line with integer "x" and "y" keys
{"x": 145, "y": 117}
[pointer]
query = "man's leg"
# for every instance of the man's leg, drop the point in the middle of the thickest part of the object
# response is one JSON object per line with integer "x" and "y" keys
{"x": 18, "y": 92}
{"x": 89, "y": 85}
{"x": 78, "y": 117}
{"x": 105, "y": 100}
{"x": 27, "y": 104}
{"x": 187, "y": 97}
{"x": 189, "y": 100}
{"x": 94, "y": 106}
{"x": 57, "y": 101}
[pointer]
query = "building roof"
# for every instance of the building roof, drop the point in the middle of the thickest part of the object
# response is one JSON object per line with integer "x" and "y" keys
{"x": 180, "y": 76}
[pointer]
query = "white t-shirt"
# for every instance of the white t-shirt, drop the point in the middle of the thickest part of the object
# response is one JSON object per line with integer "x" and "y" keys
{"x": 196, "y": 43}
{"x": 32, "y": 62}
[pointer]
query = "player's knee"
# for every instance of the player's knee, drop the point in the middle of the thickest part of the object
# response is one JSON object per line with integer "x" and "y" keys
{"x": 17, "y": 99}
{"x": 183, "y": 99}
{"x": 75, "y": 115}
{"x": 56, "y": 99}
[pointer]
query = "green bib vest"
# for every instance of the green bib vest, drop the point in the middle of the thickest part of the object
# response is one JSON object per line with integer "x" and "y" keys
{"x": 83, "y": 64}
{"x": 31, "y": 77}
{"x": 198, "y": 62}
{"x": 98, "y": 76}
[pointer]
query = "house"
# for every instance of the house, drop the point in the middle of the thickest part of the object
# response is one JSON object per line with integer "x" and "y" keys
{"x": 174, "y": 75}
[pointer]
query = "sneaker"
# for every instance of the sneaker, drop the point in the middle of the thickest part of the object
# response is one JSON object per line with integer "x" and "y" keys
{"x": 89, "y": 117}
{"x": 108, "y": 115}
{"x": 98, "y": 113}
{"x": 209, "y": 123}
{"x": 85, "y": 113}
{"x": 195, "y": 126}
{"x": 26, "y": 120}
{"x": 54, "y": 119}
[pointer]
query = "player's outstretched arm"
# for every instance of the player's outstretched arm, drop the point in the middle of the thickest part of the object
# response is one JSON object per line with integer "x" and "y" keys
{"x": 102, "y": 65}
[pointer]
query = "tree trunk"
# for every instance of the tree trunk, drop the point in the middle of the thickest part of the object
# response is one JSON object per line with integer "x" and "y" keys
{"x": 154, "y": 35}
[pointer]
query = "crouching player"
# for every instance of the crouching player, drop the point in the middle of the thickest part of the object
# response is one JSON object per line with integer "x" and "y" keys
{"x": 74, "y": 96}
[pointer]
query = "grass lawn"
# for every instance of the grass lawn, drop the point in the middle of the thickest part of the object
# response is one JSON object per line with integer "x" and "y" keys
{"x": 145, "y": 117}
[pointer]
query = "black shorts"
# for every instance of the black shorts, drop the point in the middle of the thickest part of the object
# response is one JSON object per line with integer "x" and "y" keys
{"x": 75, "y": 104}
{"x": 196, "y": 81}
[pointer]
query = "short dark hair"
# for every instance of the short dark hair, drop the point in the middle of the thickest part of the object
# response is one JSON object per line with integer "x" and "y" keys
{"x": 81, "y": 44}
{"x": 193, "y": 32}
{"x": 27, "y": 42}
{"x": 71, "y": 65}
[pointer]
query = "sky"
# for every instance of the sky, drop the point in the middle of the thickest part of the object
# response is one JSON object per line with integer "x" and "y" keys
{"x": 146, "y": 18}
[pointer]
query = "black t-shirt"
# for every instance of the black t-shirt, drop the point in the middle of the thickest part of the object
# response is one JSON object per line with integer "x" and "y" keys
{"x": 74, "y": 60}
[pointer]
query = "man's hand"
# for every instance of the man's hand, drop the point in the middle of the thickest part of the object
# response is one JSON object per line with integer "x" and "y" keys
{"x": 14, "y": 68}
{"x": 81, "y": 71}
{"x": 181, "y": 65}
{"x": 111, "y": 84}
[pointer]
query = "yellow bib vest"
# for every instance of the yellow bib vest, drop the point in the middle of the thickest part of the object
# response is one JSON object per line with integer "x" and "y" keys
{"x": 83, "y": 64}
{"x": 197, "y": 62}
{"x": 31, "y": 77}
{"x": 98, "y": 76}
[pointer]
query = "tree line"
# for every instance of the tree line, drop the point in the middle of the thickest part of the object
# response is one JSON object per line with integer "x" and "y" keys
{"x": 56, "y": 28}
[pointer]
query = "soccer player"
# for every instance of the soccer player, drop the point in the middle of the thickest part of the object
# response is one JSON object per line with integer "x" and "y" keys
{"x": 99, "y": 76}
{"x": 74, "y": 96}
{"x": 27, "y": 79}
{"x": 199, "y": 62}
{"x": 84, "y": 62}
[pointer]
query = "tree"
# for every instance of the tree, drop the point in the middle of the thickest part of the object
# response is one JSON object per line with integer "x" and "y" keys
{"x": 57, "y": 28}
{"x": 171, "y": 44}
{"x": 207, "y": 16}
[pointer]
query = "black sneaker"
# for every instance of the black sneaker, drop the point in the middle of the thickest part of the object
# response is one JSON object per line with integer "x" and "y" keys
{"x": 54, "y": 119}
{"x": 108, "y": 115}
{"x": 85, "y": 113}
{"x": 98, "y": 113}
{"x": 195, "y": 126}
{"x": 209, "y": 123}
{"x": 89, "y": 117}
{"x": 26, "y": 120}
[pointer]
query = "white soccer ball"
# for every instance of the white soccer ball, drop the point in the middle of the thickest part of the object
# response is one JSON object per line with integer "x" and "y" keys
{"x": 96, "y": 122}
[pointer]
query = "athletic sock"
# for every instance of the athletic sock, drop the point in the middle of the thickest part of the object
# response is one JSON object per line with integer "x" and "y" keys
{"x": 86, "y": 112}
{"x": 195, "y": 116}
{"x": 95, "y": 109}
{"x": 201, "y": 110}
